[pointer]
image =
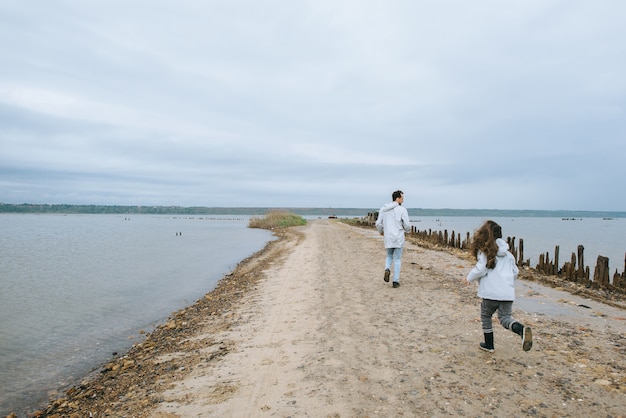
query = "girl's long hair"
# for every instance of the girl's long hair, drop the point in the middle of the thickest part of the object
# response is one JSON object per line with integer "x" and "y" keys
{"x": 485, "y": 241}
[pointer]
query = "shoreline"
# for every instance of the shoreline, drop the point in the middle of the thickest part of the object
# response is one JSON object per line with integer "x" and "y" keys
{"x": 220, "y": 334}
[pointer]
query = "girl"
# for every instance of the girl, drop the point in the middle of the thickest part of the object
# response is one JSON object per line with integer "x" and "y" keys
{"x": 496, "y": 273}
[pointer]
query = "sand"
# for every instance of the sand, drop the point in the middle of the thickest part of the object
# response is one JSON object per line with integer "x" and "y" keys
{"x": 308, "y": 328}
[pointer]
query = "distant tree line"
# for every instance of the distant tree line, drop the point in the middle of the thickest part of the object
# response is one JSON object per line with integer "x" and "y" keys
{"x": 117, "y": 209}
{"x": 168, "y": 210}
{"x": 321, "y": 212}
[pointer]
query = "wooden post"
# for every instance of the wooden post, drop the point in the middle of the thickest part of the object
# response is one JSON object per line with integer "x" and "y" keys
{"x": 601, "y": 272}
{"x": 512, "y": 249}
{"x": 521, "y": 252}
{"x": 571, "y": 271}
{"x": 617, "y": 280}
{"x": 622, "y": 281}
{"x": 567, "y": 271}
{"x": 581, "y": 264}
{"x": 556, "y": 261}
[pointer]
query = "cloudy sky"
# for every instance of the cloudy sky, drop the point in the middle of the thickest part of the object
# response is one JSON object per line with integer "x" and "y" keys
{"x": 493, "y": 104}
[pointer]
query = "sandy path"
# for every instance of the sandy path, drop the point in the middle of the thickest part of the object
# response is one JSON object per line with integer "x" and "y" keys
{"x": 322, "y": 335}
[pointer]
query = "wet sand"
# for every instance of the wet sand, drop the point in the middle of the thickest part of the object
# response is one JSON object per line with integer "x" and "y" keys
{"x": 308, "y": 328}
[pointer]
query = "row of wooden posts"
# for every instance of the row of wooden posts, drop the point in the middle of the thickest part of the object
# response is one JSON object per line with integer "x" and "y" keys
{"x": 573, "y": 270}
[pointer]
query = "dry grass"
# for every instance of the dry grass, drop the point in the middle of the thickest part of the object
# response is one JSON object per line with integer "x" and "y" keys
{"x": 276, "y": 219}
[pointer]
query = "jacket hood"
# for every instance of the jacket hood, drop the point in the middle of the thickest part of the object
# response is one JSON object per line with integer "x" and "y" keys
{"x": 390, "y": 206}
{"x": 503, "y": 247}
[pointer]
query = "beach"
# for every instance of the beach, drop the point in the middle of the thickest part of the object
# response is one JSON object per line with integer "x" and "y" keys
{"x": 308, "y": 328}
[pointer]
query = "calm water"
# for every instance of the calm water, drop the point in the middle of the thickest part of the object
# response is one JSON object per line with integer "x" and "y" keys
{"x": 77, "y": 288}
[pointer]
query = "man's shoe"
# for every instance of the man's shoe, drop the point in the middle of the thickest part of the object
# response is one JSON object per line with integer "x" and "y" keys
{"x": 527, "y": 339}
{"x": 387, "y": 272}
{"x": 396, "y": 284}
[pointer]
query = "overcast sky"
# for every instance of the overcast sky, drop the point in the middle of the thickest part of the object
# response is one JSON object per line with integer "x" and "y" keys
{"x": 460, "y": 104}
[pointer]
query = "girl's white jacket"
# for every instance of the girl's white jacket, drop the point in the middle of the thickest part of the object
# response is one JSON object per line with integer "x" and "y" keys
{"x": 497, "y": 283}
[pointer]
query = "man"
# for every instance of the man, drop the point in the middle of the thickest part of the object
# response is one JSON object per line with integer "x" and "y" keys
{"x": 393, "y": 221}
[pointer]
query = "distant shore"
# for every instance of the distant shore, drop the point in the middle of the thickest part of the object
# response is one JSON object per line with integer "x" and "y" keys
{"x": 302, "y": 211}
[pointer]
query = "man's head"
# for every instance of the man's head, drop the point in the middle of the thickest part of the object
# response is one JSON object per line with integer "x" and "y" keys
{"x": 398, "y": 196}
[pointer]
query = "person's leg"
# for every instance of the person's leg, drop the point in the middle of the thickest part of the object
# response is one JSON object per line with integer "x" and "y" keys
{"x": 505, "y": 315}
{"x": 397, "y": 264}
{"x": 527, "y": 337}
{"x": 487, "y": 309}
{"x": 388, "y": 261}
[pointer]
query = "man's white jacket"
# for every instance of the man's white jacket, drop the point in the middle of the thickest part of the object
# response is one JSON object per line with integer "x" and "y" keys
{"x": 393, "y": 221}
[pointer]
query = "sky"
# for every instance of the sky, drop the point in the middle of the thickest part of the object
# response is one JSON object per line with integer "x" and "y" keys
{"x": 482, "y": 104}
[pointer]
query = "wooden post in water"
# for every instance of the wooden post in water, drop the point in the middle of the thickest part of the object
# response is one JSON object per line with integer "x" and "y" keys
{"x": 511, "y": 242}
{"x": 601, "y": 272}
{"x": 569, "y": 269}
{"x": 621, "y": 278}
{"x": 548, "y": 267}
{"x": 618, "y": 280}
{"x": 581, "y": 265}
{"x": 520, "y": 260}
{"x": 555, "y": 270}
{"x": 544, "y": 263}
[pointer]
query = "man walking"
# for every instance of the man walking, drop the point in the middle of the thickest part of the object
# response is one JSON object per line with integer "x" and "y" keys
{"x": 393, "y": 221}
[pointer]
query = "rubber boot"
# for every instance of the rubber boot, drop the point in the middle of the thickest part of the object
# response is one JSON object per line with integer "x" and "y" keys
{"x": 488, "y": 344}
{"x": 526, "y": 333}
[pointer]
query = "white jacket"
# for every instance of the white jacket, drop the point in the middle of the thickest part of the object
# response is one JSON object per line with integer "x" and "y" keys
{"x": 497, "y": 283}
{"x": 393, "y": 221}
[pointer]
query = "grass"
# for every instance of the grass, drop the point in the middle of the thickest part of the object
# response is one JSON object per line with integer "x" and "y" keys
{"x": 351, "y": 221}
{"x": 274, "y": 219}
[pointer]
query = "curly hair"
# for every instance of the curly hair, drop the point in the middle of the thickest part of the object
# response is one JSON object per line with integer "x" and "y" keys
{"x": 484, "y": 240}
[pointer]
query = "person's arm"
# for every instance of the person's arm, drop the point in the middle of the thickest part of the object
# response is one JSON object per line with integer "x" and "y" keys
{"x": 379, "y": 223}
{"x": 406, "y": 222}
{"x": 515, "y": 269}
{"x": 480, "y": 269}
